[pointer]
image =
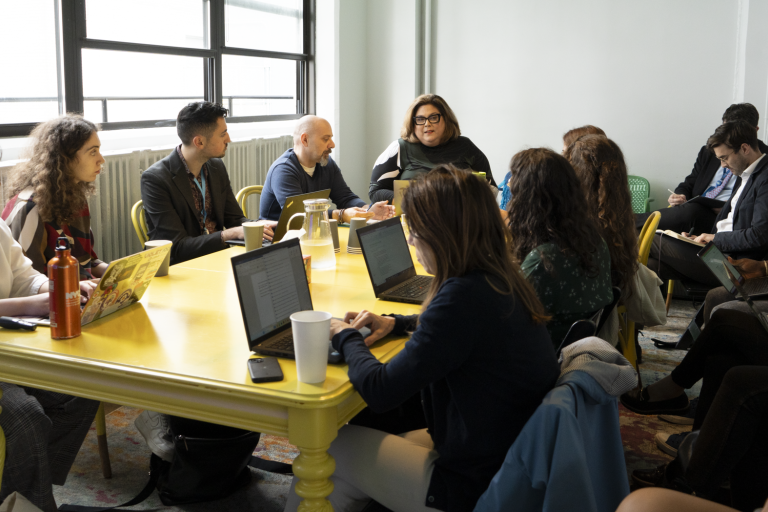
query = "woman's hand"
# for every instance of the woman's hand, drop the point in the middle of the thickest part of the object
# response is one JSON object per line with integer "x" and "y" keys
{"x": 750, "y": 269}
{"x": 379, "y": 325}
{"x": 87, "y": 287}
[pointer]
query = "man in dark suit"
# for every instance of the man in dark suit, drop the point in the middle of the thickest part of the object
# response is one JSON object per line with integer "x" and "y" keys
{"x": 741, "y": 228}
{"x": 708, "y": 179}
{"x": 187, "y": 196}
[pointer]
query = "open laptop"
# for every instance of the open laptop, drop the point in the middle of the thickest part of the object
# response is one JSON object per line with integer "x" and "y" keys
{"x": 735, "y": 282}
{"x": 272, "y": 285}
{"x": 389, "y": 263}
{"x": 123, "y": 283}
{"x": 717, "y": 263}
{"x": 399, "y": 189}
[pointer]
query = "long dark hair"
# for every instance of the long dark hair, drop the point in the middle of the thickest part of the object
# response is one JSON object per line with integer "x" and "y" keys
{"x": 548, "y": 205}
{"x": 455, "y": 215}
{"x": 599, "y": 165}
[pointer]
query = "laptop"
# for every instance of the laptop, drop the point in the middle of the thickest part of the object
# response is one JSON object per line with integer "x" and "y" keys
{"x": 389, "y": 263}
{"x": 717, "y": 263}
{"x": 272, "y": 285}
{"x": 123, "y": 283}
{"x": 399, "y": 189}
{"x": 735, "y": 282}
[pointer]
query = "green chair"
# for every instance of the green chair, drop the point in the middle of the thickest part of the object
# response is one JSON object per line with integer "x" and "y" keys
{"x": 641, "y": 191}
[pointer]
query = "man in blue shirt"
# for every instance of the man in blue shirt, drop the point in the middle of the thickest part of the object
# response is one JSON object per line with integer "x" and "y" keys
{"x": 308, "y": 167}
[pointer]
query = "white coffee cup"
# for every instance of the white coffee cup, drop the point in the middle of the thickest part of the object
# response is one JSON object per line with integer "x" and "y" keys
{"x": 311, "y": 333}
{"x": 163, "y": 269}
{"x": 253, "y": 232}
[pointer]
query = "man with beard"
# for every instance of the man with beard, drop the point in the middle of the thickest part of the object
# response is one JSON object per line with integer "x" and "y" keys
{"x": 308, "y": 167}
{"x": 187, "y": 195}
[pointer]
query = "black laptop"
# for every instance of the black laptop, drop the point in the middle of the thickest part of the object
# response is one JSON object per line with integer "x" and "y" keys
{"x": 389, "y": 263}
{"x": 717, "y": 263}
{"x": 272, "y": 285}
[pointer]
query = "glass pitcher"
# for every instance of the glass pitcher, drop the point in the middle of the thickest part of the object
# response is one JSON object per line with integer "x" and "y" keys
{"x": 316, "y": 240}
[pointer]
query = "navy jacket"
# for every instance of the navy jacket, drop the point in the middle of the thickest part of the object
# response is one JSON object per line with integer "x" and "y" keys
{"x": 288, "y": 178}
{"x": 482, "y": 367}
{"x": 749, "y": 238}
{"x": 170, "y": 207}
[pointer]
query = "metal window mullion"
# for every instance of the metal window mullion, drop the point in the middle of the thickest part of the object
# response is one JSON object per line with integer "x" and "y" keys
{"x": 218, "y": 39}
{"x": 247, "y": 52}
{"x": 309, "y": 50}
{"x": 100, "y": 44}
{"x": 73, "y": 31}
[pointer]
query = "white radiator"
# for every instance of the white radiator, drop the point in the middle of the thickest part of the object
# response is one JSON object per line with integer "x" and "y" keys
{"x": 118, "y": 188}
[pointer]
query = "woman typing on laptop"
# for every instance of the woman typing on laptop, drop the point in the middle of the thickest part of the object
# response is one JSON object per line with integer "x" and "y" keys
{"x": 481, "y": 331}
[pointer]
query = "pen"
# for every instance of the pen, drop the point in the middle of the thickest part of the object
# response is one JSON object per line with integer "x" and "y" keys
{"x": 671, "y": 191}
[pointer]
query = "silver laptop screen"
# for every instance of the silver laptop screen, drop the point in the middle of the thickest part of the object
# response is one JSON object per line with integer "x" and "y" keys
{"x": 272, "y": 286}
{"x": 386, "y": 252}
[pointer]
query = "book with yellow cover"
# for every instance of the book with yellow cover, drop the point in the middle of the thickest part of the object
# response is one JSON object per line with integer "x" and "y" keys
{"x": 671, "y": 233}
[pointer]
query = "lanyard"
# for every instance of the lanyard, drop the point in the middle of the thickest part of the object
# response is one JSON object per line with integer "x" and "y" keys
{"x": 202, "y": 190}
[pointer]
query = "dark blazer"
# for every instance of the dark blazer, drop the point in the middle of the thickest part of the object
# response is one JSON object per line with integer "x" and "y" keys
{"x": 704, "y": 170}
{"x": 749, "y": 238}
{"x": 170, "y": 207}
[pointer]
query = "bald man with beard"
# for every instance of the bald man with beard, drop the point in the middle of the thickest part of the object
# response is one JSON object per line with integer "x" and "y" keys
{"x": 308, "y": 167}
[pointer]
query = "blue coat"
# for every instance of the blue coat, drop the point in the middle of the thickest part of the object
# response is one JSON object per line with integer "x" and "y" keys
{"x": 568, "y": 457}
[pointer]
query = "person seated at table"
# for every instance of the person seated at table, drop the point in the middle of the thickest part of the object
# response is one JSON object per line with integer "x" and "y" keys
{"x": 308, "y": 167}
{"x": 710, "y": 178}
{"x": 557, "y": 239}
{"x": 187, "y": 195}
{"x": 43, "y": 429}
{"x": 741, "y": 230}
{"x": 430, "y": 135}
{"x": 479, "y": 353}
{"x": 573, "y": 135}
{"x": 50, "y": 193}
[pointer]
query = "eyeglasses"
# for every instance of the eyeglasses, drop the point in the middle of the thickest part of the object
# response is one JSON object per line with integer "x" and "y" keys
{"x": 724, "y": 158}
{"x": 433, "y": 119}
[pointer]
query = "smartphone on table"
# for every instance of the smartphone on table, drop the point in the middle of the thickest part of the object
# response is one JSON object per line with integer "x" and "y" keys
{"x": 265, "y": 369}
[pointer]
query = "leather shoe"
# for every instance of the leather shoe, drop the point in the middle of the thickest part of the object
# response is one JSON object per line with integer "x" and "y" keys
{"x": 641, "y": 404}
{"x": 649, "y": 477}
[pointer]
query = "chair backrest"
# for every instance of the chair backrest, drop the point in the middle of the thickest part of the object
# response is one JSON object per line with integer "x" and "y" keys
{"x": 579, "y": 330}
{"x": 245, "y": 192}
{"x": 140, "y": 222}
{"x": 641, "y": 191}
{"x": 646, "y": 237}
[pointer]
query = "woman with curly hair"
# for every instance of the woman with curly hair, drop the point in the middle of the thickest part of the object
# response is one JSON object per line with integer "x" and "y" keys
{"x": 50, "y": 192}
{"x": 556, "y": 239}
{"x": 599, "y": 165}
{"x": 575, "y": 134}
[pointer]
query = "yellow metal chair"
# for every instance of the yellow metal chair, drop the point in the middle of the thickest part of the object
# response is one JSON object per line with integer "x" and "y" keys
{"x": 139, "y": 219}
{"x": 2, "y": 444}
{"x": 245, "y": 192}
{"x": 626, "y": 326}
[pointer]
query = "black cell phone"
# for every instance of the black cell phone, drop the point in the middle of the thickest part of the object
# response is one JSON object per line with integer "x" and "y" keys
{"x": 265, "y": 369}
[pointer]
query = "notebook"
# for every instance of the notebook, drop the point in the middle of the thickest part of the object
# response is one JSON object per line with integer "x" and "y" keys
{"x": 272, "y": 285}
{"x": 678, "y": 236}
{"x": 717, "y": 263}
{"x": 399, "y": 189}
{"x": 123, "y": 283}
{"x": 389, "y": 263}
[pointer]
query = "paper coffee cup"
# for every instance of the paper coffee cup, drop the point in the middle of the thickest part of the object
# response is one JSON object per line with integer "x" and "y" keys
{"x": 253, "y": 233}
{"x": 311, "y": 333}
{"x": 353, "y": 243}
{"x": 163, "y": 269}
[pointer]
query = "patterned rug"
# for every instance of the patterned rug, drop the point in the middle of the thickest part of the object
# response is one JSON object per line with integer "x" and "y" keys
{"x": 129, "y": 454}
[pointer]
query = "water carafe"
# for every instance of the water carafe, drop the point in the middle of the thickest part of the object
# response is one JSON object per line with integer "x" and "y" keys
{"x": 316, "y": 240}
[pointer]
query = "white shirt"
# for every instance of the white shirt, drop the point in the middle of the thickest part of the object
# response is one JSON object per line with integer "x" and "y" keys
{"x": 17, "y": 277}
{"x": 726, "y": 224}
{"x": 308, "y": 170}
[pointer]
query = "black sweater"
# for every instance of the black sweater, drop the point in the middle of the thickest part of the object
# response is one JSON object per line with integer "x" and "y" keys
{"x": 482, "y": 367}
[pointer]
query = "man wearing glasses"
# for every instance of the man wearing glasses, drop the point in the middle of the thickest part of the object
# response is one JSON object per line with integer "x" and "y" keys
{"x": 741, "y": 228}
{"x": 710, "y": 178}
{"x": 308, "y": 167}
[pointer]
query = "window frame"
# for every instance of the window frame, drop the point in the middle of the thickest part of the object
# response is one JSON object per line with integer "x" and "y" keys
{"x": 74, "y": 40}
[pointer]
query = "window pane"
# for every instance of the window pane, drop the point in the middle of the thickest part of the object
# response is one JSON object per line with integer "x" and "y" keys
{"x": 29, "y": 70}
{"x": 121, "y": 75}
{"x": 92, "y": 111}
{"x": 163, "y": 22}
{"x": 274, "y": 25}
{"x": 259, "y": 86}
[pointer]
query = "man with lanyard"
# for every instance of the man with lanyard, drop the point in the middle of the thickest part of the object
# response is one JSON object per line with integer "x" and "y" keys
{"x": 187, "y": 195}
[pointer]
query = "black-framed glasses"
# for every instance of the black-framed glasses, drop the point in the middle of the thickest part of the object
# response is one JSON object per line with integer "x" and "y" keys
{"x": 433, "y": 119}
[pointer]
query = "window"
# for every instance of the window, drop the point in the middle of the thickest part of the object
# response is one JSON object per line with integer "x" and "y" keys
{"x": 136, "y": 64}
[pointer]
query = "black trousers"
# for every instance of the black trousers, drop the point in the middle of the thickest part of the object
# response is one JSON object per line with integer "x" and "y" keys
{"x": 732, "y": 440}
{"x": 683, "y": 217}
{"x": 730, "y": 339}
{"x": 674, "y": 259}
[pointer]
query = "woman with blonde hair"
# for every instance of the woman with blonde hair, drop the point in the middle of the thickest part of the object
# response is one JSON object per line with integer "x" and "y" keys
{"x": 479, "y": 354}
{"x": 430, "y": 135}
{"x": 50, "y": 193}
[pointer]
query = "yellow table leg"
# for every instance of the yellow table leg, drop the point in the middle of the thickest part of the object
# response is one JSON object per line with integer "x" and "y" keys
{"x": 101, "y": 437}
{"x": 312, "y": 432}
{"x": 2, "y": 445}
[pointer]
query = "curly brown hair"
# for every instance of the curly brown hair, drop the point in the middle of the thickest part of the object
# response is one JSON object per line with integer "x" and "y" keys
{"x": 456, "y": 216}
{"x": 548, "y": 206}
{"x": 573, "y": 135}
{"x": 55, "y": 143}
{"x": 599, "y": 165}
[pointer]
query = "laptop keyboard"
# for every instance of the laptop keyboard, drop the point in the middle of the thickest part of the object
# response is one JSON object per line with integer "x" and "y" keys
{"x": 414, "y": 288}
{"x": 284, "y": 342}
{"x": 756, "y": 287}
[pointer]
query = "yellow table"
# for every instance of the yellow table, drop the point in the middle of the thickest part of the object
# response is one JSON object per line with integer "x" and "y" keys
{"x": 182, "y": 350}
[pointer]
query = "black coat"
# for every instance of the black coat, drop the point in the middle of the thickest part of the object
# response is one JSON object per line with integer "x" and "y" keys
{"x": 170, "y": 207}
